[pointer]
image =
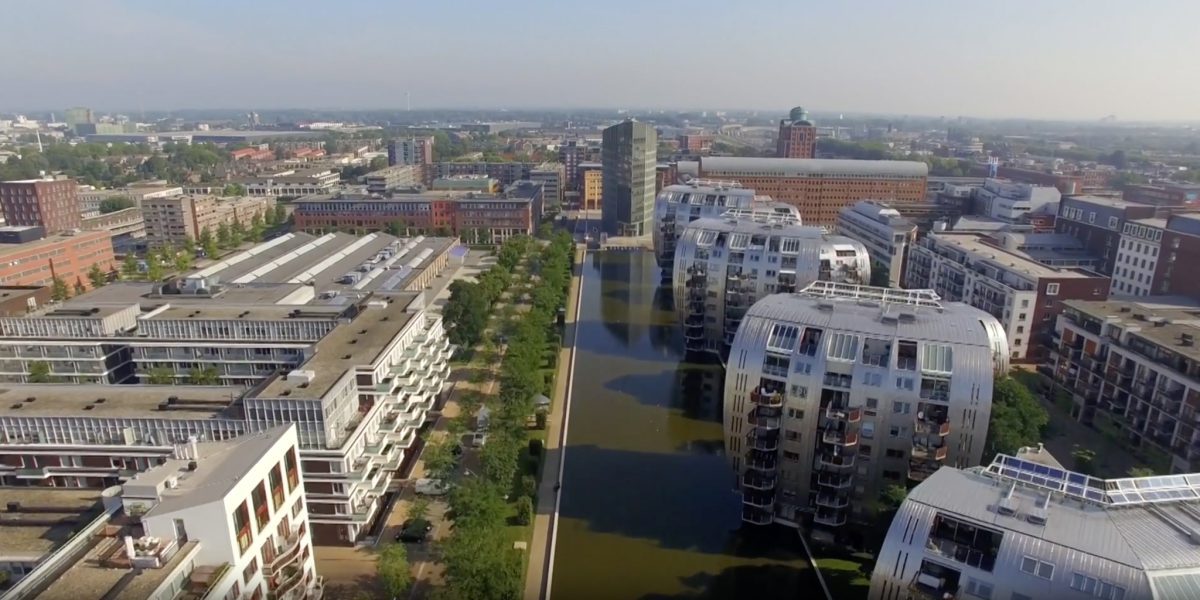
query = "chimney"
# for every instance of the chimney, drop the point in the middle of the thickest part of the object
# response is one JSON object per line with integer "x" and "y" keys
{"x": 129, "y": 551}
{"x": 192, "y": 452}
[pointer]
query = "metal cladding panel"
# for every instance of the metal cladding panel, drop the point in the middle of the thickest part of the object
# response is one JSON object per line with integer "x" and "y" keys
{"x": 1183, "y": 586}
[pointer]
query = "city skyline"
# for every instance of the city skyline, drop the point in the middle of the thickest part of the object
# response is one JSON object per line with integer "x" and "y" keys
{"x": 1075, "y": 61}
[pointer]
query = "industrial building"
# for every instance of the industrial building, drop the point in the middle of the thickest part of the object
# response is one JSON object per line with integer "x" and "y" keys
{"x": 838, "y": 391}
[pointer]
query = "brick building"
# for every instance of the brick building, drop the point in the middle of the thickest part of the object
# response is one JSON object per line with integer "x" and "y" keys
{"x": 49, "y": 203}
{"x": 1162, "y": 194}
{"x": 1098, "y": 222}
{"x": 67, "y": 255}
{"x": 797, "y": 136}
{"x": 178, "y": 217}
{"x": 822, "y": 188}
{"x": 695, "y": 143}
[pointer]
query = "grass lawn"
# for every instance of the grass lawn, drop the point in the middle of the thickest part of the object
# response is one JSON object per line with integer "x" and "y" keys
{"x": 845, "y": 576}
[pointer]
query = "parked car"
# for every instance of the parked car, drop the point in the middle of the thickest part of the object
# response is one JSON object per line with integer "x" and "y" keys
{"x": 431, "y": 487}
{"x": 414, "y": 531}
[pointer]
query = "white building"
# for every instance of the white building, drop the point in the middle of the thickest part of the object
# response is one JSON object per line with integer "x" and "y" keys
{"x": 886, "y": 235}
{"x": 1010, "y": 201}
{"x": 1137, "y": 257}
{"x": 834, "y": 393}
{"x": 1024, "y": 528}
{"x": 213, "y": 520}
{"x": 724, "y": 265}
{"x": 680, "y": 204}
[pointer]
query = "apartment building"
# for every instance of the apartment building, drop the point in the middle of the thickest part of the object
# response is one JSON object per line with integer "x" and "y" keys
{"x": 480, "y": 184}
{"x": 1164, "y": 193}
{"x": 591, "y": 182}
{"x": 505, "y": 172}
{"x": 67, "y": 256}
{"x": 91, "y": 198}
{"x": 797, "y": 136}
{"x": 821, "y": 188}
{"x": 1014, "y": 202}
{"x": 127, "y": 227}
{"x": 291, "y": 183}
{"x": 680, "y": 204}
{"x": 695, "y": 143}
{"x": 494, "y": 217}
{"x": 1131, "y": 365}
{"x": 357, "y": 403}
{"x": 1024, "y": 294}
{"x": 175, "y": 218}
{"x": 834, "y": 393}
{"x": 1098, "y": 222}
{"x": 52, "y": 204}
{"x": 724, "y": 265}
{"x": 217, "y": 519}
{"x": 1149, "y": 253}
{"x": 885, "y": 233}
{"x": 416, "y": 151}
{"x": 571, "y": 154}
{"x": 396, "y": 177}
{"x": 553, "y": 177}
{"x": 1025, "y": 528}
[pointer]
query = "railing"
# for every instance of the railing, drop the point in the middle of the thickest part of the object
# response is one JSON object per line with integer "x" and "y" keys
{"x": 931, "y": 587}
{"x": 837, "y": 380}
{"x": 960, "y": 553}
{"x": 757, "y": 516}
{"x": 830, "y": 518}
{"x": 285, "y": 553}
{"x": 834, "y": 481}
{"x": 849, "y": 415}
{"x": 836, "y": 461}
{"x": 758, "y": 483}
{"x": 808, "y": 349}
{"x": 761, "y": 442}
{"x": 764, "y": 422}
{"x": 289, "y": 582}
{"x": 769, "y": 399}
{"x": 775, "y": 371}
{"x": 832, "y": 500}
{"x": 929, "y": 427}
{"x": 840, "y": 438}
{"x": 762, "y": 465}
{"x": 876, "y": 360}
{"x": 759, "y": 499}
{"x": 935, "y": 394}
{"x": 925, "y": 453}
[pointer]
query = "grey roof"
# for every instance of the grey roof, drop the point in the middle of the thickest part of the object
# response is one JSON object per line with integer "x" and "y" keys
{"x": 744, "y": 225}
{"x": 952, "y": 323}
{"x": 1177, "y": 586}
{"x": 801, "y": 167}
{"x": 220, "y": 466}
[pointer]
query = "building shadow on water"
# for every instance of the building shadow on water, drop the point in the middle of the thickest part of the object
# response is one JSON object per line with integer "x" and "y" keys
{"x": 747, "y": 581}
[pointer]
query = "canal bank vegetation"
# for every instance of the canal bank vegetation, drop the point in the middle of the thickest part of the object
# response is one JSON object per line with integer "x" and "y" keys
{"x": 530, "y": 286}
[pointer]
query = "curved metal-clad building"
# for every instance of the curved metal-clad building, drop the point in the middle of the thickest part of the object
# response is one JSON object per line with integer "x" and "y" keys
{"x": 723, "y": 265}
{"x": 834, "y": 393}
{"x": 678, "y": 205}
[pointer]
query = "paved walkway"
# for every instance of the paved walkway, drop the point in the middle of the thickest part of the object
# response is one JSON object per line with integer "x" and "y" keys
{"x": 545, "y": 523}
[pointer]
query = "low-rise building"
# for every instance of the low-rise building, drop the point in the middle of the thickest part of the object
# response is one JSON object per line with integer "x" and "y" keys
{"x": 1024, "y": 527}
{"x": 66, "y": 256}
{"x": 391, "y": 178}
{"x": 1015, "y": 202}
{"x": 125, "y": 226}
{"x": 591, "y": 176}
{"x": 885, "y": 233}
{"x": 91, "y": 198}
{"x": 466, "y": 183}
{"x": 724, "y": 265}
{"x": 552, "y": 176}
{"x": 213, "y": 519}
{"x": 836, "y": 392}
{"x": 1018, "y": 290}
{"x": 288, "y": 183}
{"x": 176, "y": 218}
{"x": 1151, "y": 252}
{"x": 1164, "y": 193}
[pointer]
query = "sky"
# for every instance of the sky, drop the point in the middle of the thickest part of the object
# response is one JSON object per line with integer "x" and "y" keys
{"x": 1054, "y": 59}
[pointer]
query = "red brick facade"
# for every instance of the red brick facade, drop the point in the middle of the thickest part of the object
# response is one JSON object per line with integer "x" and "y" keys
{"x": 52, "y": 204}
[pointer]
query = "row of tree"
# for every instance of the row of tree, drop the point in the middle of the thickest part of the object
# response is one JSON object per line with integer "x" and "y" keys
{"x": 480, "y": 564}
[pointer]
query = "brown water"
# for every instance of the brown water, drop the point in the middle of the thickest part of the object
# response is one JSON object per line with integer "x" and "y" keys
{"x": 648, "y": 508}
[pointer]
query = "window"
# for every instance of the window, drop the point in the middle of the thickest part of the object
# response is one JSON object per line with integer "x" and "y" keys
{"x": 901, "y": 408}
{"x": 791, "y": 435}
{"x": 872, "y": 403}
{"x": 938, "y": 358}
{"x": 894, "y": 431}
{"x": 868, "y": 429}
{"x": 893, "y": 453}
{"x": 1109, "y": 591}
{"x": 794, "y": 413}
{"x": 843, "y": 346}
{"x": 1037, "y": 567}
{"x": 783, "y": 338}
{"x": 250, "y": 570}
{"x": 979, "y": 589}
{"x": 1051, "y": 289}
{"x": 1112, "y": 222}
{"x": 791, "y": 455}
{"x": 1083, "y": 583}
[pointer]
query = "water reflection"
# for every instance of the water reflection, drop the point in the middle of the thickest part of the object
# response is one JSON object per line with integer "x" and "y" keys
{"x": 648, "y": 509}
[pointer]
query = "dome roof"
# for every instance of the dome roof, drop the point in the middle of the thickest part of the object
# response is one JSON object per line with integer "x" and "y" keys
{"x": 798, "y": 114}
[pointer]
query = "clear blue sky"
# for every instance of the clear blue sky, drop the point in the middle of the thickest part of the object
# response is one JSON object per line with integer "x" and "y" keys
{"x": 1078, "y": 59}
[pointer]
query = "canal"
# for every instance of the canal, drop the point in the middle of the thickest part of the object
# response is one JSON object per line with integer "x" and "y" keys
{"x": 648, "y": 509}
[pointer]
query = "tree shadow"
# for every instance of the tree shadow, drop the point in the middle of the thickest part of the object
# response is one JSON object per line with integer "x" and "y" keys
{"x": 749, "y": 581}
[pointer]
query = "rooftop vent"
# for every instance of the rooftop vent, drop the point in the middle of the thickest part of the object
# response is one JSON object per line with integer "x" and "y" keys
{"x": 1008, "y": 505}
{"x": 30, "y": 399}
{"x": 192, "y": 465}
{"x": 89, "y": 407}
{"x": 101, "y": 400}
{"x": 16, "y": 406}
{"x": 1041, "y": 512}
{"x": 1186, "y": 339}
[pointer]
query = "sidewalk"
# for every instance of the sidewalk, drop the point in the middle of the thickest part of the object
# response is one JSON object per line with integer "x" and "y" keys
{"x": 545, "y": 522}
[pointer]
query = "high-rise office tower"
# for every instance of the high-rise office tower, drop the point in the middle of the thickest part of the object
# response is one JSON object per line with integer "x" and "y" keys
{"x": 630, "y": 159}
{"x": 797, "y": 136}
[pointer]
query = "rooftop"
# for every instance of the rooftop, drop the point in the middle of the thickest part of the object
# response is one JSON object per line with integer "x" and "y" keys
{"x": 89, "y": 578}
{"x": 1012, "y": 260}
{"x": 116, "y": 401}
{"x": 44, "y": 518}
{"x": 801, "y": 167}
{"x": 1104, "y": 201}
{"x": 50, "y": 240}
{"x": 126, "y": 293}
{"x": 1162, "y": 320}
{"x": 358, "y": 343}
{"x": 1151, "y": 222}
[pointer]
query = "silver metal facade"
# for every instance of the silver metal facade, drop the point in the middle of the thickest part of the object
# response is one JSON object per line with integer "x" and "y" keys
{"x": 724, "y": 265}
{"x": 677, "y": 205}
{"x": 839, "y": 391}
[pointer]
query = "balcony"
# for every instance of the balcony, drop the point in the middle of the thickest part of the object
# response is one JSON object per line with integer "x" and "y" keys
{"x": 765, "y": 464}
{"x": 757, "y": 516}
{"x": 847, "y": 415}
{"x": 288, "y": 582}
{"x": 835, "y": 461}
{"x": 759, "y": 499}
{"x": 931, "y": 427}
{"x": 928, "y": 584}
{"x": 762, "y": 441}
{"x": 807, "y": 349}
{"x": 837, "y": 501}
{"x": 834, "y": 481}
{"x": 201, "y": 581}
{"x": 763, "y": 423}
{"x": 286, "y": 553}
{"x": 758, "y": 482}
{"x": 770, "y": 399}
{"x": 33, "y": 473}
{"x": 937, "y": 453}
{"x": 840, "y": 438}
{"x": 876, "y": 360}
{"x": 836, "y": 380}
{"x": 829, "y": 517}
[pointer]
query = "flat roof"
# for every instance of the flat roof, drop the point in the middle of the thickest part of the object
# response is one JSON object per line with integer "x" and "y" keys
{"x": 1151, "y": 222}
{"x": 358, "y": 343}
{"x": 45, "y": 519}
{"x": 1172, "y": 317}
{"x": 1015, "y": 260}
{"x": 801, "y": 167}
{"x": 1104, "y": 201}
{"x": 120, "y": 401}
{"x": 213, "y": 133}
{"x": 89, "y": 578}
{"x": 51, "y": 240}
{"x": 126, "y": 293}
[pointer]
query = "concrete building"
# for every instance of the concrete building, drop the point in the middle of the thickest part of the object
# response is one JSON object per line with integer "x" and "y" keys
{"x": 67, "y": 256}
{"x": 91, "y": 198}
{"x": 629, "y": 164}
{"x": 1026, "y": 528}
{"x": 724, "y": 265}
{"x": 1164, "y": 193}
{"x": 1024, "y": 294}
{"x": 222, "y": 519}
{"x": 52, "y": 204}
{"x": 591, "y": 176}
{"x": 1099, "y": 222}
{"x": 571, "y": 154}
{"x": 481, "y": 184}
{"x": 1151, "y": 253}
{"x": 797, "y": 136}
{"x": 819, "y": 188}
{"x": 78, "y": 115}
{"x": 175, "y": 218}
{"x": 1131, "y": 365}
{"x": 885, "y": 233}
{"x": 410, "y": 151}
{"x": 506, "y": 173}
{"x": 1015, "y": 202}
{"x": 839, "y": 391}
{"x": 678, "y": 205}
{"x": 552, "y": 176}
{"x": 395, "y": 177}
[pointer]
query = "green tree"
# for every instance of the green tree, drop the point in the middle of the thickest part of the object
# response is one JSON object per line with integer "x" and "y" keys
{"x": 481, "y": 565}
{"x": 110, "y": 205}
{"x": 257, "y": 227}
{"x": 160, "y": 376}
{"x": 1140, "y": 472}
{"x": 378, "y": 163}
{"x": 1085, "y": 460}
{"x": 524, "y": 510}
{"x": 97, "y": 276}
{"x": 419, "y": 509}
{"x": 1017, "y": 417}
{"x": 395, "y": 228}
{"x": 39, "y": 372}
{"x": 223, "y": 235}
{"x": 79, "y": 287}
{"x": 188, "y": 245}
{"x": 129, "y": 267}
{"x": 209, "y": 244}
{"x": 237, "y": 234}
{"x": 234, "y": 189}
{"x": 478, "y": 504}
{"x": 439, "y": 458}
{"x": 154, "y": 267}
{"x": 206, "y": 375}
{"x": 393, "y": 571}
{"x": 281, "y": 215}
{"x": 59, "y": 290}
